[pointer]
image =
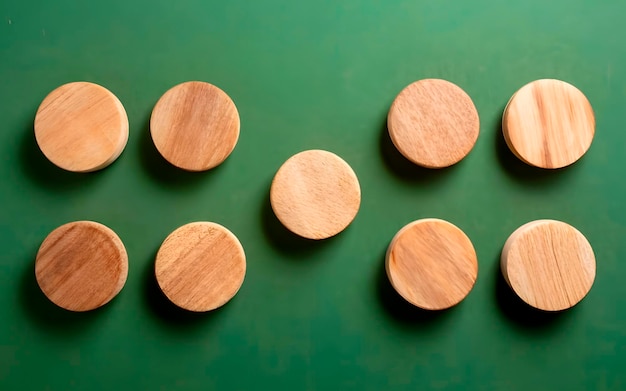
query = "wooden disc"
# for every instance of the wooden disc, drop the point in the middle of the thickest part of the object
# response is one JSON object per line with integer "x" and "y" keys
{"x": 200, "y": 266}
{"x": 81, "y": 127}
{"x": 433, "y": 123}
{"x": 195, "y": 126}
{"x": 315, "y": 194}
{"x": 81, "y": 265}
{"x": 432, "y": 264}
{"x": 549, "y": 264}
{"x": 548, "y": 124}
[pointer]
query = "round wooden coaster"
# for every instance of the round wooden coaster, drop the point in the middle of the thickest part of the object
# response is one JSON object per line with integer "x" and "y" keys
{"x": 81, "y": 265}
{"x": 195, "y": 126}
{"x": 315, "y": 194}
{"x": 200, "y": 266}
{"x": 548, "y": 124}
{"x": 432, "y": 264}
{"x": 81, "y": 127}
{"x": 433, "y": 123}
{"x": 549, "y": 264}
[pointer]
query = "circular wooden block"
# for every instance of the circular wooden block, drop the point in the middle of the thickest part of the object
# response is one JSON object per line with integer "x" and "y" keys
{"x": 548, "y": 124}
{"x": 200, "y": 266}
{"x": 81, "y": 265}
{"x": 549, "y": 264}
{"x": 315, "y": 194}
{"x": 81, "y": 127}
{"x": 195, "y": 126}
{"x": 433, "y": 123}
{"x": 432, "y": 264}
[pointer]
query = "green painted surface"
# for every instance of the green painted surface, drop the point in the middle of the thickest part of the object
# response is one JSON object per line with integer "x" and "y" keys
{"x": 311, "y": 74}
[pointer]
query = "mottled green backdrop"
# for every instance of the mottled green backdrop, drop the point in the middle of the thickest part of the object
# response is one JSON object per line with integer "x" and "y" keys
{"x": 311, "y": 74}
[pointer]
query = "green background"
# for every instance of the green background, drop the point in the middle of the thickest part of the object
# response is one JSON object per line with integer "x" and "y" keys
{"x": 304, "y": 75}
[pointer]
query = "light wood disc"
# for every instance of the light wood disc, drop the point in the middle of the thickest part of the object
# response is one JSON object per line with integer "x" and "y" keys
{"x": 433, "y": 123}
{"x": 200, "y": 266}
{"x": 549, "y": 264}
{"x": 81, "y": 265}
{"x": 548, "y": 124}
{"x": 195, "y": 126}
{"x": 432, "y": 264}
{"x": 81, "y": 127}
{"x": 315, "y": 194}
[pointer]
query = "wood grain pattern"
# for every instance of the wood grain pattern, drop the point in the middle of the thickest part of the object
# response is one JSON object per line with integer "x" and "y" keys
{"x": 549, "y": 264}
{"x": 433, "y": 123}
{"x": 315, "y": 194}
{"x": 81, "y": 265}
{"x": 432, "y": 264}
{"x": 81, "y": 127}
{"x": 200, "y": 266}
{"x": 548, "y": 124}
{"x": 195, "y": 126}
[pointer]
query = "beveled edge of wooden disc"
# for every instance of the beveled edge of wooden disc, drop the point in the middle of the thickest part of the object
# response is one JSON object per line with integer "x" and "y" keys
{"x": 523, "y": 229}
{"x": 159, "y": 148}
{"x": 124, "y": 129}
{"x": 285, "y": 221}
{"x": 115, "y": 241}
{"x": 423, "y": 162}
{"x": 509, "y": 143}
{"x": 408, "y": 227}
{"x": 234, "y": 239}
